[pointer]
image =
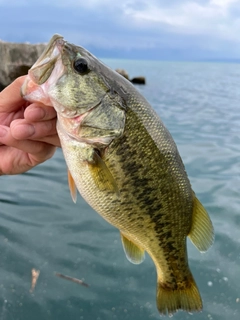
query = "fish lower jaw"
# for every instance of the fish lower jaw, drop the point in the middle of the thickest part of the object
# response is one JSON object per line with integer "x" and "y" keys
{"x": 33, "y": 92}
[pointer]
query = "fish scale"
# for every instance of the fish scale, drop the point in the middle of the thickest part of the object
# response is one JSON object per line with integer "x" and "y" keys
{"x": 143, "y": 198}
{"x": 125, "y": 164}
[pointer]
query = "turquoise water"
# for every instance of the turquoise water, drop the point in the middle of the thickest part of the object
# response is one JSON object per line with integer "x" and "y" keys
{"x": 40, "y": 226}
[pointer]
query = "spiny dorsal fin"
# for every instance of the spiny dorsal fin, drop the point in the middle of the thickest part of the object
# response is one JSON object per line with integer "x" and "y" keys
{"x": 102, "y": 175}
{"x": 72, "y": 187}
{"x": 133, "y": 253}
{"x": 201, "y": 233}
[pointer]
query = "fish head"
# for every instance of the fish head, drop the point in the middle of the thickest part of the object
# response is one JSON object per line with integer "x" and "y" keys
{"x": 80, "y": 89}
{"x": 63, "y": 76}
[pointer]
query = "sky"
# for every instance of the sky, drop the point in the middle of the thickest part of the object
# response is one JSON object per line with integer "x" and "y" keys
{"x": 134, "y": 29}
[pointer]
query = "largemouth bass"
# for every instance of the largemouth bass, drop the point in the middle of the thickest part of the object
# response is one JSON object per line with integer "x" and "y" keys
{"x": 125, "y": 164}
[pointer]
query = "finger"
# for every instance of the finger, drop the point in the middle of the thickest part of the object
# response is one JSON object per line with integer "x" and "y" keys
{"x": 39, "y": 149}
{"x": 53, "y": 140}
{"x": 10, "y": 97}
{"x": 6, "y": 118}
{"x": 22, "y": 130}
{"x": 41, "y": 131}
{"x": 15, "y": 161}
{"x": 39, "y": 112}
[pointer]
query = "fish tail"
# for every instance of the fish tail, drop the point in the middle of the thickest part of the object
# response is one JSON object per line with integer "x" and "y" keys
{"x": 185, "y": 297}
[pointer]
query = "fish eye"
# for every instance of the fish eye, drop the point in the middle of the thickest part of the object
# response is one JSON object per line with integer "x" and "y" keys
{"x": 80, "y": 65}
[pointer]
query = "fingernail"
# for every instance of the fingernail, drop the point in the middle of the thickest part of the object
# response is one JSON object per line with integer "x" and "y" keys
{"x": 42, "y": 113}
{"x": 3, "y": 131}
{"x": 35, "y": 114}
{"x": 23, "y": 131}
{"x": 30, "y": 129}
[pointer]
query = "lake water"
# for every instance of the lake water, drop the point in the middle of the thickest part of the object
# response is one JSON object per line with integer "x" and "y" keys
{"x": 40, "y": 226}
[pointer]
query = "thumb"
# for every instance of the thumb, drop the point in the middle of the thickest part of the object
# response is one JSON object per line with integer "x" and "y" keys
{"x": 10, "y": 97}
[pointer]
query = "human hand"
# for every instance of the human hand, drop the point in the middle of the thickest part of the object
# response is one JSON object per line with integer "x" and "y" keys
{"x": 28, "y": 134}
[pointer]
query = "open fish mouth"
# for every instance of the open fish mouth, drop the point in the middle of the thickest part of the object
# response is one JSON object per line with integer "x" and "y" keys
{"x": 43, "y": 67}
{"x": 45, "y": 71}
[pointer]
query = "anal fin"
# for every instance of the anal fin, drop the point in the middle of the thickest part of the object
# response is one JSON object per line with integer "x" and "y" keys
{"x": 133, "y": 253}
{"x": 72, "y": 187}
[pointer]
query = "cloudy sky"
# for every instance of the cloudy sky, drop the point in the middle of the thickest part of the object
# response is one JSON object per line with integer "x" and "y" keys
{"x": 141, "y": 29}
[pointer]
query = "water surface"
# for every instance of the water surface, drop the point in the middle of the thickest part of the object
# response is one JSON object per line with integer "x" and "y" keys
{"x": 40, "y": 226}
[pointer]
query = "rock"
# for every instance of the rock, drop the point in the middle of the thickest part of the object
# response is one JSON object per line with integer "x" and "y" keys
{"x": 16, "y": 59}
{"x": 123, "y": 73}
{"x": 136, "y": 80}
{"x": 139, "y": 80}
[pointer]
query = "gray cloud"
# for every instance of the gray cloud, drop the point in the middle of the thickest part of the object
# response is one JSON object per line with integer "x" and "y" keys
{"x": 131, "y": 28}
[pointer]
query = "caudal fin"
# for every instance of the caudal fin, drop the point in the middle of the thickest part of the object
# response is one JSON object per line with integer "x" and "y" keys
{"x": 186, "y": 297}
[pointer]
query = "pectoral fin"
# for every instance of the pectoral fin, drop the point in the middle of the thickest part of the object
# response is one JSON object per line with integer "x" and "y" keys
{"x": 72, "y": 187}
{"x": 133, "y": 253}
{"x": 102, "y": 175}
{"x": 201, "y": 233}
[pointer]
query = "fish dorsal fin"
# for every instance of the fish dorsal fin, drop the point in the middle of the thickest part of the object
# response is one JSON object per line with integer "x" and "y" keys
{"x": 201, "y": 233}
{"x": 133, "y": 253}
{"x": 72, "y": 187}
{"x": 102, "y": 175}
